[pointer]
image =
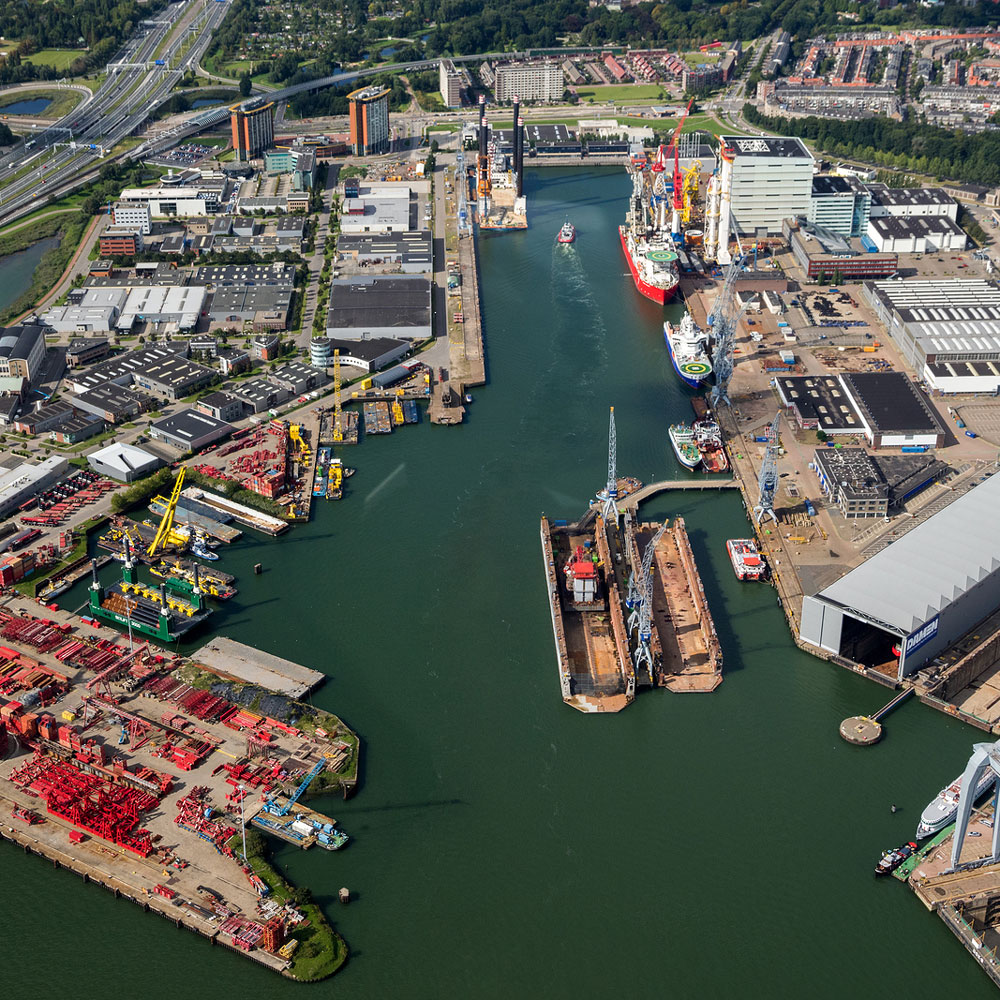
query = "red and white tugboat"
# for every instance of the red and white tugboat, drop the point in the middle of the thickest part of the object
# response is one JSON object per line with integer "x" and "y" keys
{"x": 746, "y": 560}
{"x": 567, "y": 234}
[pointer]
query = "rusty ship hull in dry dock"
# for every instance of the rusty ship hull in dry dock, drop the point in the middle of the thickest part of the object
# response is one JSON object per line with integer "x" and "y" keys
{"x": 686, "y": 652}
{"x": 592, "y": 649}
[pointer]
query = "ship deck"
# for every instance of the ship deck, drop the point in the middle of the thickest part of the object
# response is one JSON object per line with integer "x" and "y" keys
{"x": 691, "y": 656}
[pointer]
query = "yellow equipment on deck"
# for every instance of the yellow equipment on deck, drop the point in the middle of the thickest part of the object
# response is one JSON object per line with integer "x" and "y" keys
{"x": 295, "y": 436}
{"x": 165, "y": 534}
{"x": 338, "y": 429}
{"x": 397, "y": 412}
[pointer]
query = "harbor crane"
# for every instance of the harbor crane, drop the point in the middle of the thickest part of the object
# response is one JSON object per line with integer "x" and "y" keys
{"x": 767, "y": 480}
{"x": 611, "y": 490}
{"x": 338, "y": 428}
{"x": 272, "y": 807}
{"x": 165, "y": 534}
{"x": 641, "y": 618}
{"x": 723, "y": 322}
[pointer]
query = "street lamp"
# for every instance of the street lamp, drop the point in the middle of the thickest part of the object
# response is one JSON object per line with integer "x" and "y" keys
{"x": 243, "y": 822}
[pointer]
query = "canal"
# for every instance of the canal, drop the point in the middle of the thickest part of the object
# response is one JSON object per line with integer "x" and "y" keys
{"x": 503, "y": 844}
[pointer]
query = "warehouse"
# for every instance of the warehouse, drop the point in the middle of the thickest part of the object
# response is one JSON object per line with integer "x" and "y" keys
{"x": 259, "y": 395}
{"x": 917, "y": 234}
{"x": 97, "y": 311}
{"x": 124, "y": 462}
{"x": 376, "y": 215}
{"x": 819, "y": 403}
{"x": 411, "y": 252}
{"x": 911, "y": 202}
{"x": 266, "y": 306}
{"x": 25, "y": 481}
{"x": 173, "y": 376}
{"x": 937, "y": 323}
{"x": 297, "y": 377}
{"x": 177, "y": 306}
{"x": 397, "y": 307}
{"x": 893, "y": 412}
{"x": 918, "y": 595}
{"x": 113, "y": 403}
{"x": 189, "y": 430}
{"x": 370, "y": 354}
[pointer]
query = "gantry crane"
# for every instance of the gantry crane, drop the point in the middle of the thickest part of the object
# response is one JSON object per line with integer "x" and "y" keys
{"x": 767, "y": 480}
{"x": 165, "y": 534}
{"x": 641, "y": 618}
{"x": 338, "y": 430}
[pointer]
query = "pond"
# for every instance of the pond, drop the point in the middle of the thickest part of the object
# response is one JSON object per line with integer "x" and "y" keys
{"x": 32, "y": 106}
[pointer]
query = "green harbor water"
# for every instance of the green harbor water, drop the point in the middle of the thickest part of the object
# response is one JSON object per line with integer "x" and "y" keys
{"x": 503, "y": 844}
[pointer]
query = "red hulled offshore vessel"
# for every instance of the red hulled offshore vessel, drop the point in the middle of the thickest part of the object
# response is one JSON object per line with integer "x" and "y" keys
{"x": 646, "y": 238}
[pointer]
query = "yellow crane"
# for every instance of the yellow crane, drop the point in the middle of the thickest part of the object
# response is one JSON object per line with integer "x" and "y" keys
{"x": 165, "y": 534}
{"x": 692, "y": 179}
{"x": 338, "y": 430}
{"x": 295, "y": 435}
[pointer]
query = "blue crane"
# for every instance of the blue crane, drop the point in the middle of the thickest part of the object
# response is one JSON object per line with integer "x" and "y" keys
{"x": 275, "y": 810}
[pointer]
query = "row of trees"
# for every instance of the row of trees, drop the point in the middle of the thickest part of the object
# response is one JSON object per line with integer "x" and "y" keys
{"x": 909, "y": 145}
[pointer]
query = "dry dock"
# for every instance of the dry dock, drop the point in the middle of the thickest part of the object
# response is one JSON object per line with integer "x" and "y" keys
{"x": 690, "y": 650}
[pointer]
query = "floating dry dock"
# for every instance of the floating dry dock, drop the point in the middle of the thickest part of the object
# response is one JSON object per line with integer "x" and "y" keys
{"x": 690, "y": 655}
{"x": 592, "y": 649}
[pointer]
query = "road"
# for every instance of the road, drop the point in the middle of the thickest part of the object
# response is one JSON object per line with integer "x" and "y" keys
{"x": 142, "y": 76}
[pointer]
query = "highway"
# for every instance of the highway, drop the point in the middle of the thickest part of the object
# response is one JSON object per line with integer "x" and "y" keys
{"x": 142, "y": 76}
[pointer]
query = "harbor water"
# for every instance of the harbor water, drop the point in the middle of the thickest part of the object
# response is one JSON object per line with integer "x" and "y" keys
{"x": 503, "y": 844}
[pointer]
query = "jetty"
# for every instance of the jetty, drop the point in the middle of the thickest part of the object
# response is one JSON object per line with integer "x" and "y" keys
{"x": 664, "y": 485}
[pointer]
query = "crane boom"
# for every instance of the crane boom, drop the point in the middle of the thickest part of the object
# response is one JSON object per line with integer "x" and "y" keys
{"x": 167, "y": 521}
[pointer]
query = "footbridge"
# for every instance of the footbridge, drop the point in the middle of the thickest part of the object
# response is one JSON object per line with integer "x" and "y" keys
{"x": 634, "y": 499}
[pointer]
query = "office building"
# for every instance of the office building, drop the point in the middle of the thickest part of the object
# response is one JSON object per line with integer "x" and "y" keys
{"x": 368, "y": 115}
{"x": 120, "y": 241}
{"x": 253, "y": 128}
{"x": 22, "y": 352}
{"x": 841, "y": 205}
{"x": 133, "y": 216}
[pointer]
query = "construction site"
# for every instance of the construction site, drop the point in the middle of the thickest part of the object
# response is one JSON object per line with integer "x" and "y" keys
{"x": 146, "y": 772}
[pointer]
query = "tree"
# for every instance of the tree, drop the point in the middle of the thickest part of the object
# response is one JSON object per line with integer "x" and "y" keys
{"x": 246, "y": 85}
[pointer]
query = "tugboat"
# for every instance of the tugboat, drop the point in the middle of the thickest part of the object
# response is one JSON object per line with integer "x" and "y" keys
{"x": 202, "y": 551}
{"x": 567, "y": 234}
{"x": 682, "y": 439}
{"x": 891, "y": 860}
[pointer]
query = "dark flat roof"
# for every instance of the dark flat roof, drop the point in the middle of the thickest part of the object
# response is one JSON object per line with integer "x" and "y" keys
{"x": 190, "y": 425}
{"x": 891, "y": 402}
{"x": 367, "y": 350}
{"x": 786, "y": 148}
{"x": 379, "y": 302}
{"x": 820, "y": 398}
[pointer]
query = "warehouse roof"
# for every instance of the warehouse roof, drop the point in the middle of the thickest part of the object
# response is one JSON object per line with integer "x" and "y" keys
{"x": 367, "y": 350}
{"x": 883, "y": 195}
{"x": 190, "y": 425}
{"x": 124, "y": 458}
{"x": 901, "y": 227}
{"x": 379, "y": 302}
{"x": 890, "y": 402}
{"x": 930, "y": 567}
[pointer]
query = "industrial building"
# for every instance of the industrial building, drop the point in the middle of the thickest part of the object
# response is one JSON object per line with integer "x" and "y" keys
{"x": 892, "y": 410}
{"x": 818, "y": 403}
{"x": 824, "y": 255}
{"x": 164, "y": 370}
{"x": 189, "y": 430}
{"x": 165, "y": 200}
{"x": 84, "y": 350}
{"x": 297, "y": 377}
{"x": 124, "y": 462}
{"x": 910, "y": 202}
{"x": 253, "y": 128}
{"x": 531, "y": 81}
{"x": 97, "y": 310}
{"x": 768, "y": 180}
{"x": 367, "y": 307}
{"x": 851, "y": 480}
{"x": 411, "y": 252}
{"x": 370, "y": 354}
{"x": 258, "y": 395}
{"x": 25, "y": 481}
{"x": 222, "y": 406}
{"x": 368, "y": 117}
{"x": 916, "y": 234}
{"x": 917, "y": 596}
{"x": 947, "y": 330}
{"x": 177, "y": 305}
{"x": 376, "y": 214}
{"x": 22, "y": 352}
{"x": 112, "y": 403}
{"x": 267, "y": 307}
{"x": 840, "y": 205}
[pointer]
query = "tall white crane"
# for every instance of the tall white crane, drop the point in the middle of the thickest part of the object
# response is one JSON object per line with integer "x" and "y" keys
{"x": 767, "y": 480}
{"x": 723, "y": 322}
{"x": 642, "y": 614}
{"x": 611, "y": 499}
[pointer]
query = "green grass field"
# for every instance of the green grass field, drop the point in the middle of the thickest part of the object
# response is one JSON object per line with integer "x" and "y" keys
{"x": 621, "y": 93}
{"x": 60, "y": 58}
